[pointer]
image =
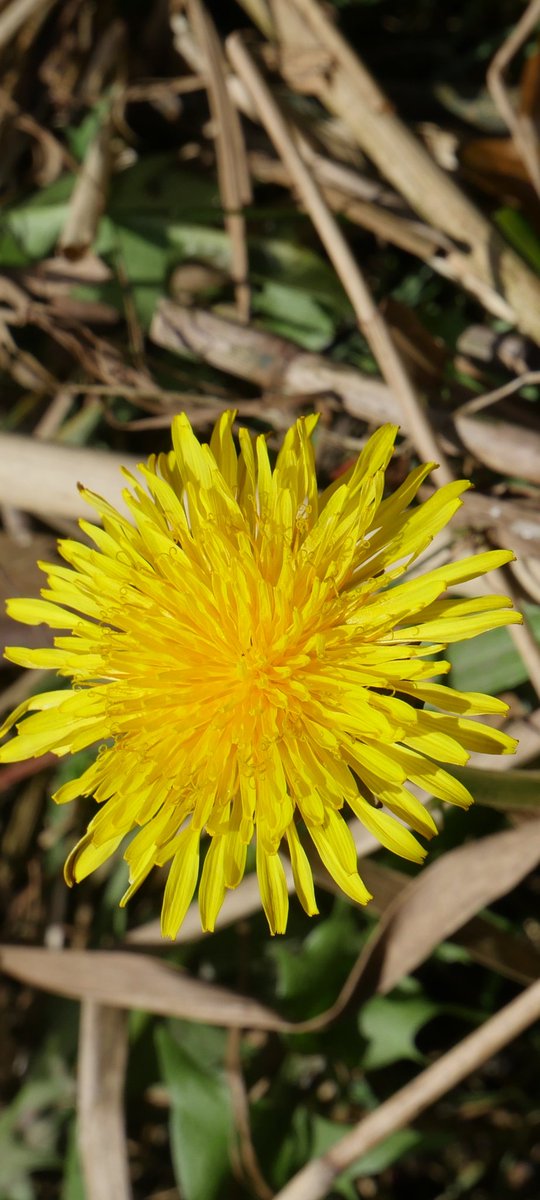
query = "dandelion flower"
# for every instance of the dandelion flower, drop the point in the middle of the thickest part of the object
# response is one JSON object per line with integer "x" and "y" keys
{"x": 241, "y": 649}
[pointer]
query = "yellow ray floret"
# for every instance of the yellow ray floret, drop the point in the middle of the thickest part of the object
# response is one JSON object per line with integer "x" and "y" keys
{"x": 235, "y": 645}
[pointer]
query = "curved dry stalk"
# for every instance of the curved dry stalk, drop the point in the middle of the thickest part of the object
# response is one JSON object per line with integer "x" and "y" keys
{"x": 520, "y": 125}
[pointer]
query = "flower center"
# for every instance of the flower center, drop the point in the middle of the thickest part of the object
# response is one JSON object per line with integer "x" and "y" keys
{"x": 254, "y": 666}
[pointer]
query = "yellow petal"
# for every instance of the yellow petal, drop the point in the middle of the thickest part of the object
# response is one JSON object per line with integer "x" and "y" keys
{"x": 388, "y": 831}
{"x": 302, "y": 874}
{"x": 212, "y": 885}
{"x": 273, "y": 888}
{"x": 87, "y": 857}
{"x": 337, "y": 850}
{"x": 181, "y": 882}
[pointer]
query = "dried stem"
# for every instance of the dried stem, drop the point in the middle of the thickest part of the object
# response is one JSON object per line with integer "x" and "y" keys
{"x": 520, "y": 125}
{"x": 233, "y": 174}
{"x": 14, "y": 16}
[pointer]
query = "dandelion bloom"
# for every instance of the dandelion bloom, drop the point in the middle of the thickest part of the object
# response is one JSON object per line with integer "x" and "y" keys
{"x": 238, "y": 650}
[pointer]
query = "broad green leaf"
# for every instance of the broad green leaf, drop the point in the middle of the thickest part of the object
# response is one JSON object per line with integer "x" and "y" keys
{"x": 31, "y": 229}
{"x": 490, "y": 663}
{"x": 390, "y": 1025}
{"x": 269, "y": 258}
{"x": 504, "y": 790}
{"x": 159, "y": 215}
{"x": 201, "y": 1124}
{"x": 309, "y": 979}
{"x": 294, "y": 314}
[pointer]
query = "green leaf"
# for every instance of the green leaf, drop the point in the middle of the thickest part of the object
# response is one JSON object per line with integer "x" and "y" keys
{"x": 201, "y": 1124}
{"x": 387, "y": 1152}
{"x": 312, "y": 1135}
{"x": 505, "y": 790}
{"x": 326, "y": 1133}
{"x": 310, "y": 980}
{"x": 73, "y": 1183}
{"x": 294, "y": 314}
{"x": 79, "y": 137}
{"x": 520, "y": 234}
{"x": 30, "y": 1127}
{"x": 30, "y": 230}
{"x": 490, "y": 663}
{"x": 390, "y": 1025}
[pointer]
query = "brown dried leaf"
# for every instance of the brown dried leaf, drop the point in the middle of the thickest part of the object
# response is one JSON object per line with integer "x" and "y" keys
{"x": 135, "y": 981}
{"x": 498, "y": 443}
{"x": 509, "y": 954}
{"x": 439, "y": 901}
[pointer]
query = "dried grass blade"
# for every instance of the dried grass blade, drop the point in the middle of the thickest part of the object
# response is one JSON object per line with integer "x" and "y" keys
{"x": 135, "y": 981}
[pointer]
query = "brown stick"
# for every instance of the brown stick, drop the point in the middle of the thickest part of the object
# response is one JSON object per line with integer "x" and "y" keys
{"x": 520, "y": 125}
{"x": 233, "y": 174}
{"x": 17, "y": 13}
{"x": 102, "y": 1137}
{"x": 277, "y": 365}
{"x": 42, "y": 477}
{"x": 315, "y": 1180}
{"x": 88, "y": 197}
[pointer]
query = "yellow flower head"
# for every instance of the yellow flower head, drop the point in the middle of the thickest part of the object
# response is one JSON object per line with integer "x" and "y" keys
{"x": 240, "y": 653}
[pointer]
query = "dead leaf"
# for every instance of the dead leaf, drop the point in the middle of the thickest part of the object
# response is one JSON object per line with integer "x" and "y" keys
{"x": 443, "y": 898}
{"x": 509, "y": 954}
{"x": 135, "y": 981}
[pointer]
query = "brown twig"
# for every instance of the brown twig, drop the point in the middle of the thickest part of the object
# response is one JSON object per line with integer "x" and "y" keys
{"x": 88, "y": 197}
{"x": 103, "y": 1052}
{"x": 315, "y": 1180}
{"x": 249, "y": 1168}
{"x": 42, "y": 478}
{"x": 507, "y": 389}
{"x": 520, "y": 125}
{"x": 233, "y": 174}
{"x": 19, "y": 11}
